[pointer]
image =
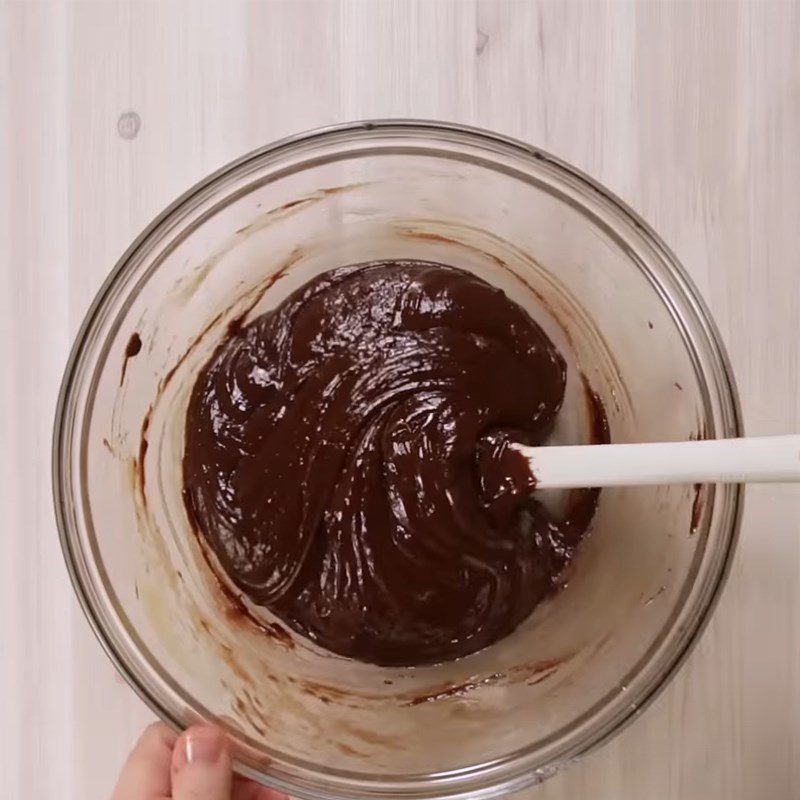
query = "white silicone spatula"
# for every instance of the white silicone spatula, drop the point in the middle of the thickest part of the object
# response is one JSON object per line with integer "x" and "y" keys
{"x": 758, "y": 459}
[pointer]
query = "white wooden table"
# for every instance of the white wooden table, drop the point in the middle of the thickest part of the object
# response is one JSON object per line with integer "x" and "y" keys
{"x": 689, "y": 111}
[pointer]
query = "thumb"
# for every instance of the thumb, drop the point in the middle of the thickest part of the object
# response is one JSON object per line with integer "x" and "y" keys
{"x": 201, "y": 765}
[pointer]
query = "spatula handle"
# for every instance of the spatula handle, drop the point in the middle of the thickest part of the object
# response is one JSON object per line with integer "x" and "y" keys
{"x": 747, "y": 460}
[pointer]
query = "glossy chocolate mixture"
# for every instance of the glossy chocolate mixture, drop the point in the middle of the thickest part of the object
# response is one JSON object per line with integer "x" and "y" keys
{"x": 346, "y": 459}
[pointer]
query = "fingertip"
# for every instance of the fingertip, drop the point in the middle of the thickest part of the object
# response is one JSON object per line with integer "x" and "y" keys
{"x": 201, "y": 765}
{"x": 157, "y": 734}
{"x": 200, "y": 744}
{"x": 146, "y": 771}
{"x": 245, "y": 789}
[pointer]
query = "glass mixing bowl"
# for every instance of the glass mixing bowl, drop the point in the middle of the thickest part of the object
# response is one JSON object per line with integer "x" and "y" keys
{"x": 618, "y": 305}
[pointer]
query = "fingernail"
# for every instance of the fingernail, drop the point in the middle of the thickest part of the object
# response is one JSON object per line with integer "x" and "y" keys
{"x": 203, "y": 746}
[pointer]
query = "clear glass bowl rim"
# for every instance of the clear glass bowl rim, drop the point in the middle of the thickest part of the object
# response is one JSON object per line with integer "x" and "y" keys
{"x": 519, "y": 769}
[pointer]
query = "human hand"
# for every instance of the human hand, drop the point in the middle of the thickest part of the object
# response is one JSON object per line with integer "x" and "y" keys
{"x": 193, "y": 766}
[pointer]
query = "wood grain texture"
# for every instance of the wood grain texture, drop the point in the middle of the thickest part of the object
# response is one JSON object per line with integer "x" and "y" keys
{"x": 688, "y": 110}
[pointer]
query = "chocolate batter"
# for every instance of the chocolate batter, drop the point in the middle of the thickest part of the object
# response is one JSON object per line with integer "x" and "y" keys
{"x": 346, "y": 459}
